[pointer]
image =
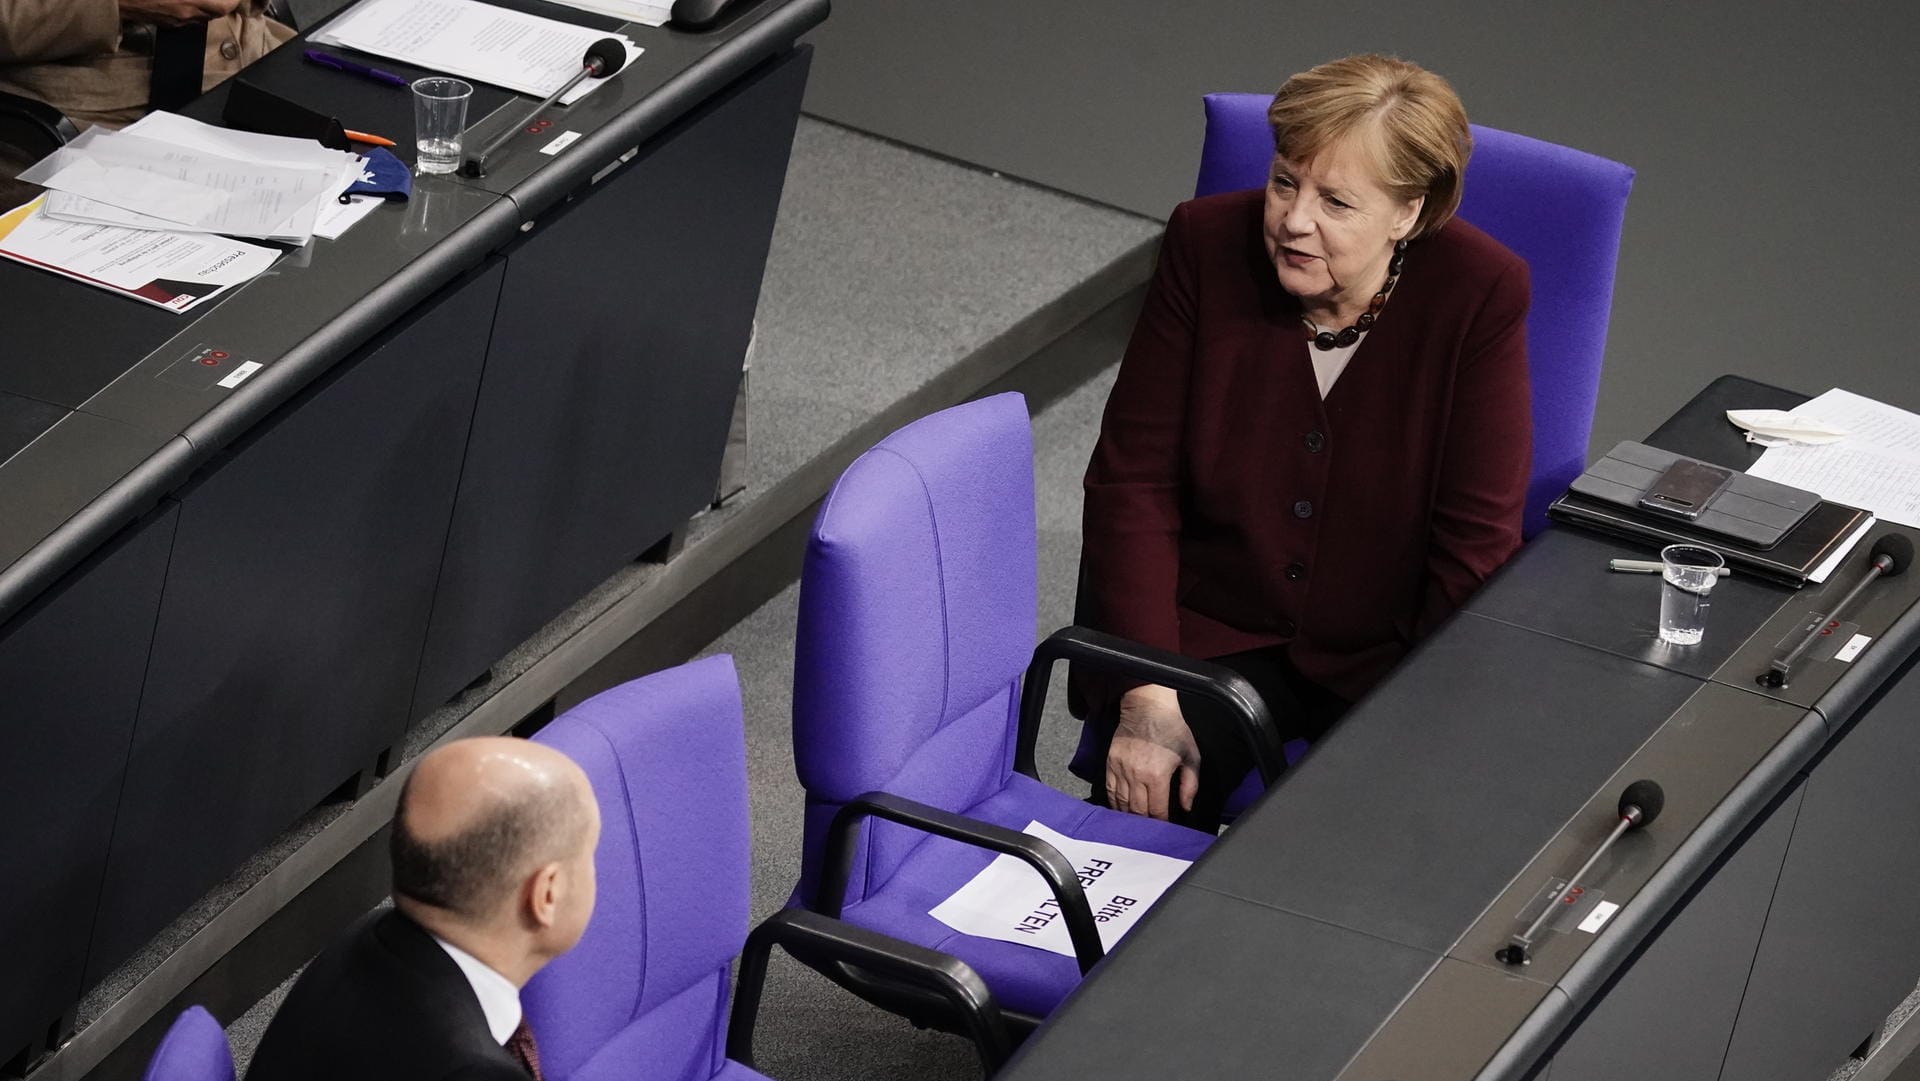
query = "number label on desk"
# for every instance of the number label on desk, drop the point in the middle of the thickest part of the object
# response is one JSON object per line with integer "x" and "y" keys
{"x": 204, "y": 367}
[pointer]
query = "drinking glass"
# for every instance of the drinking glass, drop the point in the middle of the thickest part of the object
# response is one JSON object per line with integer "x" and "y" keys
{"x": 1687, "y": 575}
{"x": 439, "y": 117}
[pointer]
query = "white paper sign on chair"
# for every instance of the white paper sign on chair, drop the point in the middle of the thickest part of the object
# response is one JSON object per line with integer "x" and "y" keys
{"x": 1009, "y": 900}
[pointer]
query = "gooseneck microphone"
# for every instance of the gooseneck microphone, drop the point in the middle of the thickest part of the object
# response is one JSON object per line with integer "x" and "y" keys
{"x": 1891, "y": 554}
{"x": 603, "y": 58}
{"x": 1640, "y": 804}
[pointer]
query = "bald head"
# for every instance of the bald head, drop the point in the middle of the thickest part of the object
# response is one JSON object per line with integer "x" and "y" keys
{"x": 478, "y": 816}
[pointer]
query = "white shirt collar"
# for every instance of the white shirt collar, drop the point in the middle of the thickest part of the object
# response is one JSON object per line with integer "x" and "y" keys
{"x": 499, "y": 998}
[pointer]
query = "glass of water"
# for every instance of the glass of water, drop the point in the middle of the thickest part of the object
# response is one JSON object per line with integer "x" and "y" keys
{"x": 439, "y": 116}
{"x": 1687, "y": 573}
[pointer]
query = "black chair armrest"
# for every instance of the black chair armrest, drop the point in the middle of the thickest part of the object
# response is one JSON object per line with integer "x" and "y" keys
{"x": 837, "y": 940}
{"x": 1095, "y": 649}
{"x": 35, "y": 128}
{"x": 837, "y": 865}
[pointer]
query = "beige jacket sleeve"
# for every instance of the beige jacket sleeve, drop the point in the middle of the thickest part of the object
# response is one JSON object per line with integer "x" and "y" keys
{"x": 33, "y": 31}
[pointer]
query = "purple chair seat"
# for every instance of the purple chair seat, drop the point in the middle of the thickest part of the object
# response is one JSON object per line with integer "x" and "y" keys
{"x": 194, "y": 1049}
{"x": 1023, "y": 978}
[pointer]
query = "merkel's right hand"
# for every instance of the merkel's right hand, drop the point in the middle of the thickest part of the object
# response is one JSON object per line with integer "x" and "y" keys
{"x": 1153, "y": 752}
{"x": 175, "y": 12}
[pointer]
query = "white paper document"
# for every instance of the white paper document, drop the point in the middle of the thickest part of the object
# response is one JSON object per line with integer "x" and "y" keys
{"x": 474, "y": 41}
{"x": 1009, "y": 901}
{"x": 176, "y": 271}
{"x": 644, "y": 12}
{"x": 1876, "y": 467}
{"x": 170, "y": 173}
{"x": 338, "y": 217}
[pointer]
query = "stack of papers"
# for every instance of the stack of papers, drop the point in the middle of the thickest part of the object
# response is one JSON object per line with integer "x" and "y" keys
{"x": 169, "y": 173}
{"x": 644, "y": 12}
{"x": 474, "y": 41}
{"x": 1876, "y": 466}
{"x": 175, "y": 271}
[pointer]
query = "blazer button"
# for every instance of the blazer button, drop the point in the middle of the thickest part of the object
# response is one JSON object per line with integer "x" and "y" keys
{"x": 1315, "y": 442}
{"x": 1286, "y": 627}
{"x": 1303, "y": 509}
{"x": 1295, "y": 572}
{"x": 230, "y": 50}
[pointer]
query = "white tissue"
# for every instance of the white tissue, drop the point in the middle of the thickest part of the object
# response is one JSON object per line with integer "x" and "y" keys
{"x": 1779, "y": 428}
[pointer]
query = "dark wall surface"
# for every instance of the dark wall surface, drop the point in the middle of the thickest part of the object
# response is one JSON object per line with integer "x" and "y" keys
{"x": 1770, "y": 228}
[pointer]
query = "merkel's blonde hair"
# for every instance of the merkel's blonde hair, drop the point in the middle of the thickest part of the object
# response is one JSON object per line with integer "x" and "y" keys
{"x": 1409, "y": 120}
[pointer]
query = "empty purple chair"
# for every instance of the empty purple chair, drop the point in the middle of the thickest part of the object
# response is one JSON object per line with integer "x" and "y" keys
{"x": 1559, "y": 209}
{"x": 912, "y": 734}
{"x": 194, "y": 1049}
{"x": 645, "y": 992}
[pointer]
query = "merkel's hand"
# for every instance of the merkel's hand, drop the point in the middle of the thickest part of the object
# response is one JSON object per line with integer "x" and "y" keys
{"x": 1152, "y": 751}
{"x": 175, "y": 12}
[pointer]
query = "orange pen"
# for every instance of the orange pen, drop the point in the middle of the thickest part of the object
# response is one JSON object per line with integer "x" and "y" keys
{"x": 371, "y": 140}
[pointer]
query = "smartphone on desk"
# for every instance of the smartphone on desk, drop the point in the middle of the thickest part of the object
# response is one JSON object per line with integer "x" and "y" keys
{"x": 1686, "y": 488}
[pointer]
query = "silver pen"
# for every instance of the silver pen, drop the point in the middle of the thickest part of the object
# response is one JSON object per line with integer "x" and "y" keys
{"x": 1649, "y": 566}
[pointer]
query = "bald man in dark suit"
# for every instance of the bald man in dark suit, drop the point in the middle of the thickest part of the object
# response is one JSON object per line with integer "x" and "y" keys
{"x": 493, "y": 877}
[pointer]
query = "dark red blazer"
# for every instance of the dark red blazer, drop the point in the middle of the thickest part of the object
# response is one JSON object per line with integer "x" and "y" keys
{"x": 1228, "y": 508}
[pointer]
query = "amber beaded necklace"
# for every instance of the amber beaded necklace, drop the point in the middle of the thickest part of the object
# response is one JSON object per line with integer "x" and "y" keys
{"x": 1327, "y": 339}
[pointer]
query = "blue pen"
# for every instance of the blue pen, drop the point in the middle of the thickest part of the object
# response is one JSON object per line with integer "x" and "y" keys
{"x": 328, "y": 60}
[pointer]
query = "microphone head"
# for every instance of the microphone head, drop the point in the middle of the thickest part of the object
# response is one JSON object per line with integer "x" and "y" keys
{"x": 1646, "y": 795}
{"x": 1897, "y": 547}
{"x": 604, "y": 57}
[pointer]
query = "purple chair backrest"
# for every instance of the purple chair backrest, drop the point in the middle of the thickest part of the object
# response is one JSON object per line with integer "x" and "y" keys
{"x": 1559, "y": 209}
{"x": 916, "y": 622}
{"x": 646, "y": 988}
{"x": 194, "y": 1049}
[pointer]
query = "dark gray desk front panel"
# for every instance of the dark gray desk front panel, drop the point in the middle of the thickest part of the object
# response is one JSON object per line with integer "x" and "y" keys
{"x": 1430, "y": 1036}
{"x": 1255, "y": 1013}
{"x": 83, "y": 470}
{"x": 611, "y": 374}
{"x": 1352, "y": 836}
{"x": 70, "y": 673}
{"x": 295, "y": 608}
{"x": 1842, "y": 940}
{"x": 1670, "y": 1015}
{"x": 299, "y": 318}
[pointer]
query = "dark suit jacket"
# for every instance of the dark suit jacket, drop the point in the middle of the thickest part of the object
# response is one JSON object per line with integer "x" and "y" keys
{"x": 1228, "y": 508}
{"x": 385, "y": 1003}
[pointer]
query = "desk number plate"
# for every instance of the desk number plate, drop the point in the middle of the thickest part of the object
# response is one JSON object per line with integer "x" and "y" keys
{"x": 204, "y": 367}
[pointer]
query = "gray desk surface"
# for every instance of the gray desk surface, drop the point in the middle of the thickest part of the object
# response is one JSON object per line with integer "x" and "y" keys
{"x": 1345, "y": 928}
{"x": 91, "y": 436}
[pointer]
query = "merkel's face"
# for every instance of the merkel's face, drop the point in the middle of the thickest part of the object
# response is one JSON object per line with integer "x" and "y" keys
{"x": 1330, "y": 227}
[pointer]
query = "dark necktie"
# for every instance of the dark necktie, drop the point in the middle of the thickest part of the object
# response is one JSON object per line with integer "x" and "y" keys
{"x": 524, "y": 1051}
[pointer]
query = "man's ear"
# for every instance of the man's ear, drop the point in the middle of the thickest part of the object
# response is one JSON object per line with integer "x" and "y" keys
{"x": 544, "y": 888}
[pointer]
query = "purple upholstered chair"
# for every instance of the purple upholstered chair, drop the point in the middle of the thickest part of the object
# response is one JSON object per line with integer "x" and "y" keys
{"x": 1559, "y": 209}
{"x": 915, "y": 709}
{"x": 194, "y": 1049}
{"x": 644, "y": 994}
